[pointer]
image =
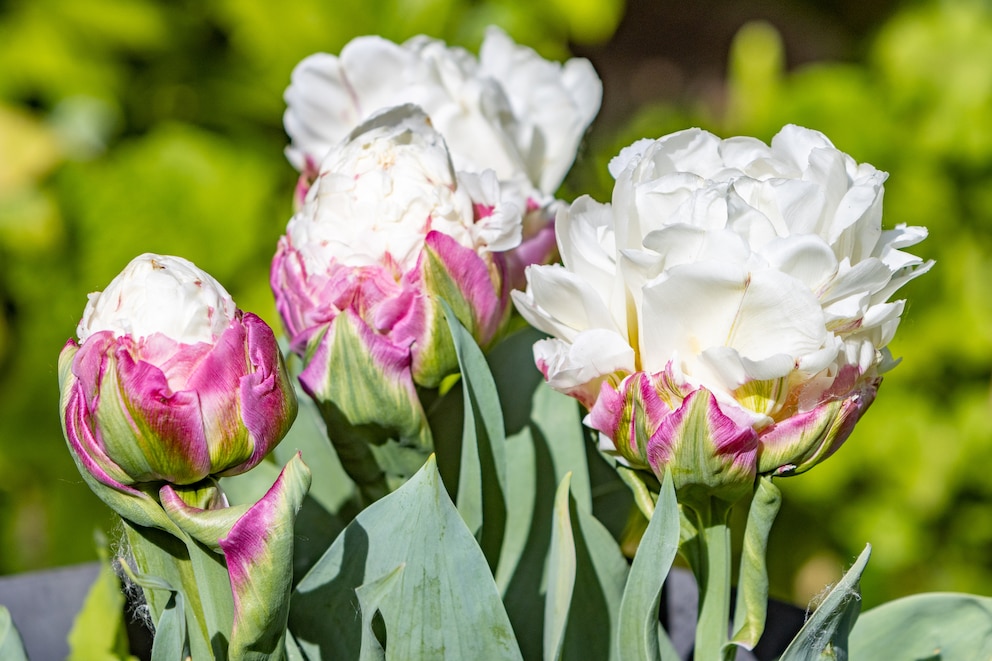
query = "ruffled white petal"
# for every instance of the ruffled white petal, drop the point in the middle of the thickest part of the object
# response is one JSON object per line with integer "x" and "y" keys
{"x": 592, "y": 355}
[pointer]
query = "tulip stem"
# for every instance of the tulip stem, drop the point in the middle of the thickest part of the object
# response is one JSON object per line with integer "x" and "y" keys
{"x": 713, "y": 577}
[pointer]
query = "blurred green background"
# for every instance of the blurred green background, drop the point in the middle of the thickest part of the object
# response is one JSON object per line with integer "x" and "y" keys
{"x": 129, "y": 126}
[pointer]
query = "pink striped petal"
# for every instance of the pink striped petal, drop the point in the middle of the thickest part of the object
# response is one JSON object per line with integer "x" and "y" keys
{"x": 259, "y": 554}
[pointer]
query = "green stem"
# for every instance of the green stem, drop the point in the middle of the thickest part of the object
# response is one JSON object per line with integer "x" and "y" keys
{"x": 713, "y": 578}
{"x": 159, "y": 554}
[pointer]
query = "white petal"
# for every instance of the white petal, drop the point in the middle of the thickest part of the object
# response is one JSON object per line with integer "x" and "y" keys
{"x": 159, "y": 294}
{"x": 805, "y": 257}
{"x": 865, "y": 277}
{"x": 712, "y": 304}
{"x": 592, "y": 355}
{"x": 553, "y": 103}
{"x": 794, "y": 144}
{"x": 628, "y": 157}
{"x": 587, "y": 243}
{"x": 682, "y": 244}
{"x": 563, "y": 304}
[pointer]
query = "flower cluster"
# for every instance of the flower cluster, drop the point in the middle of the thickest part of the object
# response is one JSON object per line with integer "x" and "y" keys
{"x": 728, "y": 313}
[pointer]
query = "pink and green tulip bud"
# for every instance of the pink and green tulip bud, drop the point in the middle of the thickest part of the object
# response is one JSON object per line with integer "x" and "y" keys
{"x": 728, "y": 314}
{"x": 169, "y": 381}
{"x": 387, "y": 231}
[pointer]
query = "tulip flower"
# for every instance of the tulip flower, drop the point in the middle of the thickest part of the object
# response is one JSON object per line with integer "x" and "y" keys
{"x": 169, "y": 381}
{"x": 387, "y": 231}
{"x": 509, "y": 111}
{"x": 728, "y": 314}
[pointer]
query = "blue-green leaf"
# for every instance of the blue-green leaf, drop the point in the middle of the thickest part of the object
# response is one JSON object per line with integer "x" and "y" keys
{"x": 933, "y": 626}
{"x": 639, "y": 634}
{"x": 482, "y": 476}
{"x": 561, "y": 574}
{"x": 445, "y": 604}
{"x": 752, "y": 584}
{"x": 171, "y": 642}
{"x": 825, "y": 634}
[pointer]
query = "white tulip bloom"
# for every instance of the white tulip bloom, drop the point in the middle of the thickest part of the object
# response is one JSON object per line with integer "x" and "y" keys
{"x": 758, "y": 274}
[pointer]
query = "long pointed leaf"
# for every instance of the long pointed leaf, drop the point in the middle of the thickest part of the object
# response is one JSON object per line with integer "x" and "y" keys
{"x": 639, "y": 633}
{"x": 825, "y": 634}
{"x": 540, "y": 455}
{"x": 561, "y": 574}
{"x": 482, "y": 476}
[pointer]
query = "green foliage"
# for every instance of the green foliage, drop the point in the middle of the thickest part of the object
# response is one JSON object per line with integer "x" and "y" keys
{"x": 414, "y": 587}
{"x": 639, "y": 634}
{"x": 140, "y": 125}
{"x": 933, "y": 626}
{"x": 98, "y": 631}
{"x": 826, "y": 633}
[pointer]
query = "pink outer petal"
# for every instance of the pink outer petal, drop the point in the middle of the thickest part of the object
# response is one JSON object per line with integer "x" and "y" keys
{"x": 302, "y": 299}
{"x": 87, "y": 449}
{"x": 88, "y": 365}
{"x": 711, "y": 453}
{"x": 801, "y": 441}
{"x": 167, "y": 425}
{"x": 629, "y": 416}
{"x": 540, "y": 248}
{"x": 309, "y": 301}
{"x": 268, "y": 401}
{"x": 259, "y": 554}
{"x": 607, "y": 416}
{"x": 217, "y": 382}
{"x": 480, "y": 284}
{"x": 725, "y": 437}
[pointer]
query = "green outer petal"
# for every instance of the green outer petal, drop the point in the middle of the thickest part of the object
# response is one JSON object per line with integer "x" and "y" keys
{"x": 131, "y": 503}
{"x": 377, "y": 400}
{"x": 206, "y": 526}
{"x": 259, "y": 553}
